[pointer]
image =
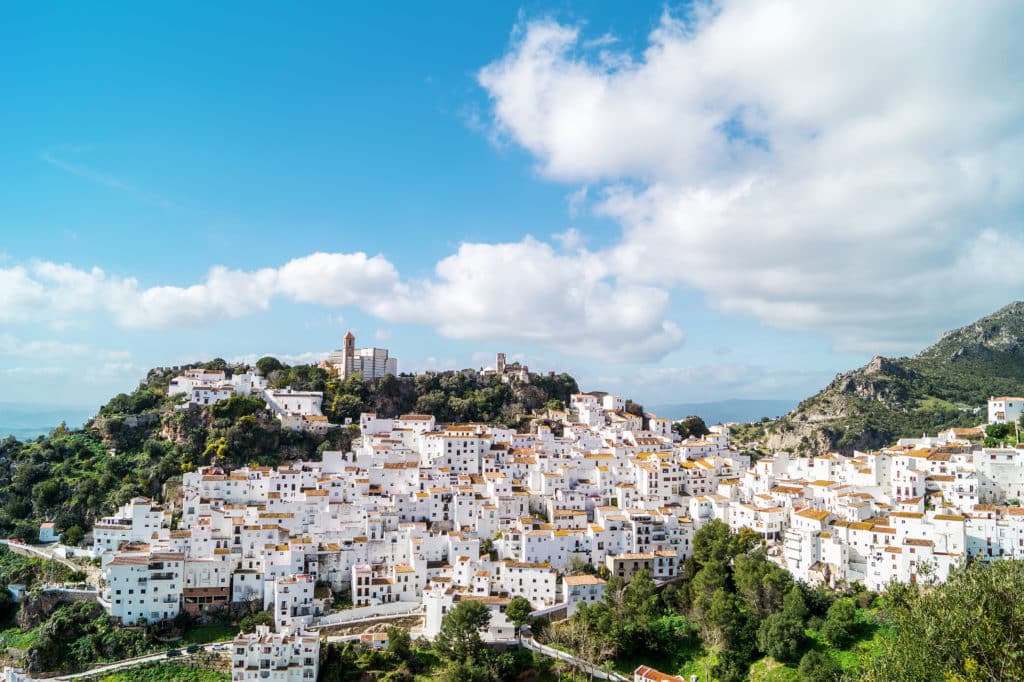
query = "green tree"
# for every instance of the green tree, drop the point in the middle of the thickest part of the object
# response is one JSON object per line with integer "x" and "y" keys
{"x": 998, "y": 431}
{"x": 794, "y": 605}
{"x": 840, "y": 623}
{"x": 781, "y": 636}
{"x": 731, "y": 666}
{"x": 399, "y": 644}
{"x": 345, "y": 406}
{"x": 464, "y": 671}
{"x": 26, "y": 530}
{"x": 268, "y": 364}
{"x": 817, "y": 666}
{"x": 72, "y": 536}
{"x": 338, "y": 662}
{"x": 723, "y": 620}
{"x": 762, "y": 584}
{"x": 640, "y": 607}
{"x": 715, "y": 542}
{"x": 249, "y": 623}
{"x": 518, "y": 612}
{"x": 237, "y": 406}
{"x": 969, "y": 628}
{"x": 708, "y": 580}
{"x": 459, "y": 636}
{"x": 48, "y": 494}
{"x": 691, "y": 426}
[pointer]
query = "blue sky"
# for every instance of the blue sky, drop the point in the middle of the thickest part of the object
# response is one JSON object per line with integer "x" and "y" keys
{"x": 680, "y": 204}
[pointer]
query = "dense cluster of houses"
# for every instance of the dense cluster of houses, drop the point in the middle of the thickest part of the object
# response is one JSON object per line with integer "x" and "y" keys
{"x": 426, "y": 515}
{"x": 298, "y": 410}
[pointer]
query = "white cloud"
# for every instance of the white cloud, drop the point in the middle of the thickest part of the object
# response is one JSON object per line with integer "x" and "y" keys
{"x": 570, "y": 240}
{"x": 59, "y": 293}
{"x": 43, "y": 349}
{"x": 576, "y": 200}
{"x": 336, "y": 278}
{"x": 107, "y": 373}
{"x": 382, "y": 335}
{"x": 13, "y": 347}
{"x": 304, "y": 358}
{"x": 526, "y": 291}
{"x": 225, "y": 294}
{"x": 819, "y": 166}
{"x": 33, "y": 371}
{"x": 517, "y": 291}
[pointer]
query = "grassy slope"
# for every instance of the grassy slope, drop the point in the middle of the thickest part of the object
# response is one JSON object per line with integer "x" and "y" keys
{"x": 167, "y": 672}
{"x": 207, "y": 634}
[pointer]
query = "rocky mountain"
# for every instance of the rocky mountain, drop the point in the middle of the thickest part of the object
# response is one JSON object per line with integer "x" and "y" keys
{"x": 946, "y": 384}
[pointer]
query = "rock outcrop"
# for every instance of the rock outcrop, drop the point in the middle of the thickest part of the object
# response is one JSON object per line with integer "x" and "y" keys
{"x": 944, "y": 385}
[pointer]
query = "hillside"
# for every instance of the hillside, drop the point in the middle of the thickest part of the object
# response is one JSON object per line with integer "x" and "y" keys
{"x": 139, "y": 442}
{"x": 946, "y": 384}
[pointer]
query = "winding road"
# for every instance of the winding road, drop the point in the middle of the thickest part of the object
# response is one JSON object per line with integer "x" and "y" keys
{"x": 133, "y": 662}
{"x": 579, "y": 663}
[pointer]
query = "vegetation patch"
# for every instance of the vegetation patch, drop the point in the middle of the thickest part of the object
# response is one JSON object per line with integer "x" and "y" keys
{"x": 167, "y": 672}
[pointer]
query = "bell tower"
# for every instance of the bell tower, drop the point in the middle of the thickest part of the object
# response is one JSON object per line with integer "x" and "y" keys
{"x": 350, "y": 346}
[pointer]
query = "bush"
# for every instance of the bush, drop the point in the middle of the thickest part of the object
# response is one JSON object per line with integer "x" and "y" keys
{"x": 840, "y": 623}
{"x": 781, "y": 636}
{"x": 816, "y": 666}
{"x": 72, "y": 536}
{"x": 249, "y": 623}
{"x": 730, "y": 667}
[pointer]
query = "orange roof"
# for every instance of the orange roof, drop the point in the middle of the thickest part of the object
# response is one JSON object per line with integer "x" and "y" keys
{"x": 814, "y": 514}
{"x": 648, "y": 673}
{"x": 573, "y": 580}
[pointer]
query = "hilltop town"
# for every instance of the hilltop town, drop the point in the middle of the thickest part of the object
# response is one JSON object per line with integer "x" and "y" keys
{"x": 420, "y": 515}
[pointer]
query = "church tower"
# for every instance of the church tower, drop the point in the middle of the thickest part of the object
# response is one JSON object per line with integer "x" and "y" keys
{"x": 349, "y": 346}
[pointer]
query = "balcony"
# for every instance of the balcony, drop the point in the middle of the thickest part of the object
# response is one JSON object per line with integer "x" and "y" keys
{"x": 162, "y": 576}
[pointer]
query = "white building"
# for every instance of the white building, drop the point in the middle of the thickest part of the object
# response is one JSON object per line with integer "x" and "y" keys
{"x": 195, "y": 377}
{"x": 47, "y": 532}
{"x": 438, "y": 601}
{"x": 287, "y": 401}
{"x": 288, "y": 656}
{"x": 421, "y": 513}
{"x": 372, "y": 363}
{"x": 143, "y": 586}
{"x": 1005, "y": 410}
{"x": 140, "y": 520}
{"x": 581, "y": 589}
{"x": 292, "y": 602}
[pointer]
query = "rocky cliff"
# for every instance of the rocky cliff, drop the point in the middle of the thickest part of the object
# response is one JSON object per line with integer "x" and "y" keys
{"x": 946, "y": 384}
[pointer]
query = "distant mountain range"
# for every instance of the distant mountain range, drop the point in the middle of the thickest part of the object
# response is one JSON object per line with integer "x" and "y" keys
{"x": 946, "y": 384}
{"x": 26, "y": 423}
{"x": 723, "y": 411}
